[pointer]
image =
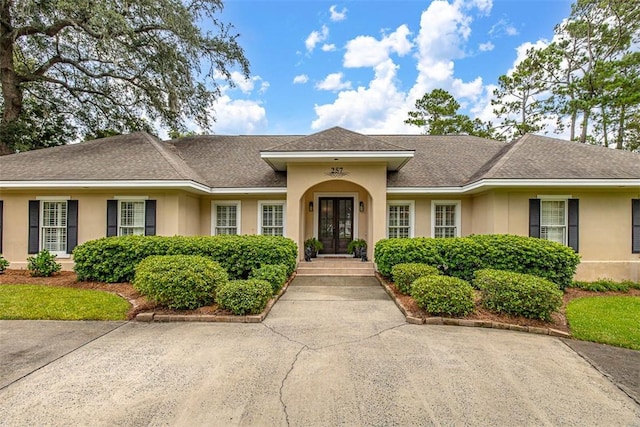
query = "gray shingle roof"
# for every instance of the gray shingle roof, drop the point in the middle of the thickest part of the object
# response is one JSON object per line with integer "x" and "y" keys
{"x": 137, "y": 156}
{"x": 234, "y": 161}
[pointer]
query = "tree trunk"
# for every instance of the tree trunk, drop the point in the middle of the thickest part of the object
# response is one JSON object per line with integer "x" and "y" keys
{"x": 11, "y": 90}
{"x": 620, "y": 137}
{"x": 604, "y": 126}
{"x": 585, "y": 124}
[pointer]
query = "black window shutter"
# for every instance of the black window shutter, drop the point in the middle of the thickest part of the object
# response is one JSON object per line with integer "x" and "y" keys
{"x": 34, "y": 226}
{"x": 635, "y": 226}
{"x": 573, "y": 233}
{"x": 72, "y": 225}
{"x": 112, "y": 218}
{"x": 534, "y": 218}
{"x": 1, "y": 211}
{"x": 150, "y": 218}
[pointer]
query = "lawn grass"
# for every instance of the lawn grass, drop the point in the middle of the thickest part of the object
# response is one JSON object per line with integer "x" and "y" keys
{"x": 610, "y": 320}
{"x": 57, "y": 303}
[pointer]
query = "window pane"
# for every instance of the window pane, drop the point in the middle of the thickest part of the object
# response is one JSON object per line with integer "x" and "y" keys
{"x": 553, "y": 221}
{"x": 54, "y": 226}
{"x": 131, "y": 218}
{"x": 399, "y": 219}
{"x": 226, "y": 219}
{"x": 272, "y": 220}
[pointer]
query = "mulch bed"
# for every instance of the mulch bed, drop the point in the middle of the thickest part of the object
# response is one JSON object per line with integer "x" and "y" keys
{"x": 140, "y": 303}
{"x": 559, "y": 320}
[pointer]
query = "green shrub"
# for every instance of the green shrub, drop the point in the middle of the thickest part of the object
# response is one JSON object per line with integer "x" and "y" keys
{"x": 604, "y": 285}
{"x": 43, "y": 264}
{"x": 276, "y": 275}
{"x": 3, "y": 264}
{"x": 406, "y": 273}
{"x": 443, "y": 295}
{"x": 462, "y": 256}
{"x": 518, "y": 294}
{"x": 113, "y": 259}
{"x": 179, "y": 281}
{"x": 245, "y": 296}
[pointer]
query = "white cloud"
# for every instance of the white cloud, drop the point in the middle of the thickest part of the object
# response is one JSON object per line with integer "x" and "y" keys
{"x": 333, "y": 82}
{"x": 300, "y": 79}
{"x": 381, "y": 106}
{"x": 238, "y": 116}
{"x": 367, "y": 51}
{"x": 328, "y": 47}
{"x": 338, "y": 16}
{"x": 264, "y": 86}
{"x": 378, "y": 108}
{"x": 503, "y": 27}
{"x": 316, "y": 37}
{"x": 486, "y": 47}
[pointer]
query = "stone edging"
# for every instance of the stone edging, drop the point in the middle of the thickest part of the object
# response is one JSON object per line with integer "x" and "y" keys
{"x": 467, "y": 322}
{"x": 252, "y": 318}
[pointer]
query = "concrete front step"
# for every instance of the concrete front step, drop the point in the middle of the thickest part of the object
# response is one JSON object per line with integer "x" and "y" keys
{"x": 335, "y": 267}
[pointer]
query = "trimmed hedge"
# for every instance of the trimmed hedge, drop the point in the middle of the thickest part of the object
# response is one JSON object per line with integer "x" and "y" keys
{"x": 245, "y": 296}
{"x": 406, "y": 273}
{"x": 276, "y": 275}
{"x": 113, "y": 259}
{"x": 462, "y": 256}
{"x": 179, "y": 281}
{"x": 443, "y": 295}
{"x": 518, "y": 294}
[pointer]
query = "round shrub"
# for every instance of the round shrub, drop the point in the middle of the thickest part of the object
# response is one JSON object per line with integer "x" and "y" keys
{"x": 518, "y": 294}
{"x": 179, "y": 281}
{"x": 406, "y": 273}
{"x": 443, "y": 295}
{"x": 245, "y": 296}
{"x": 276, "y": 274}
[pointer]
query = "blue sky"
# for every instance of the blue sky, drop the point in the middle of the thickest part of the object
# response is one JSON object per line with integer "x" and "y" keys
{"x": 362, "y": 64}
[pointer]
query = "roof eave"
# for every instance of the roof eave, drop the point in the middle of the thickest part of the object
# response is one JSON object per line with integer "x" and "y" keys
{"x": 278, "y": 160}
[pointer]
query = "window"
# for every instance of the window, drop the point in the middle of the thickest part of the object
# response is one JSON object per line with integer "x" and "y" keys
{"x": 445, "y": 218}
{"x": 399, "y": 219}
{"x": 53, "y": 225}
{"x": 553, "y": 220}
{"x": 271, "y": 218}
{"x": 226, "y": 218}
{"x": 131, "y": 216}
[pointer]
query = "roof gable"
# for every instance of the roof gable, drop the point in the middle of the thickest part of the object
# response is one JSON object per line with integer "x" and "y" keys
{"x": 335, "y": 139}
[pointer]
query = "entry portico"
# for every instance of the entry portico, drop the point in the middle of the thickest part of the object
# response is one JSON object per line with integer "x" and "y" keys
{"x": 336, "y": 186}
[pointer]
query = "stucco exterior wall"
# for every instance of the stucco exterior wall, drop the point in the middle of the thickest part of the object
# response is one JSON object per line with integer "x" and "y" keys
{"x": 92, "y": 218}
{"x": 371, "y": 177}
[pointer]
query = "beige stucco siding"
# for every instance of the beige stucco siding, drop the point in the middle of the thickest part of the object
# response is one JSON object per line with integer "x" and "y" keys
{"x": 92, "y": 217}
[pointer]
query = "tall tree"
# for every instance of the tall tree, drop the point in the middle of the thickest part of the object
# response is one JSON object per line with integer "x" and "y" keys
{"x": 437, "y": 113}
{"x": 108, "y": 63}
{"x": 596, "y": 42}
{"x": 521, "y": 98}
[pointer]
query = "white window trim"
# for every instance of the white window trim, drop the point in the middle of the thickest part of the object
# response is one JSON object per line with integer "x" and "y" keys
{"x": 412, "y": 216}
{"x": 262, "y": 203}
{"x": 131, "y": 199}
{"x": 458, "y": 205}
{"x": 58, "y": 254}
{"x": 557, "y": 198}
{"x": 214, "y": 218}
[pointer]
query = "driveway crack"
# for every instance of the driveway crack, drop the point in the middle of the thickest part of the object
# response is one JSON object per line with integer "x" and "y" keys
{"x": 377, "y": 334}
{"x": 293, "y": 364}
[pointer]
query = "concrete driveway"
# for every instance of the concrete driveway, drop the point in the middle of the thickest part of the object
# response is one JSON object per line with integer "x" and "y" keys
{"x": 328, "y": 354}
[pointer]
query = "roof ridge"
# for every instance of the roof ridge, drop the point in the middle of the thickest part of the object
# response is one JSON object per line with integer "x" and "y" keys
{"x": 500, "y": 158}
{"x": 178, "y": 166}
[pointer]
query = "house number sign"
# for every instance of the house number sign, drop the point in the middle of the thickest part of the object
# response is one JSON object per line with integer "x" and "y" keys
{"x": 336, "y": 172}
